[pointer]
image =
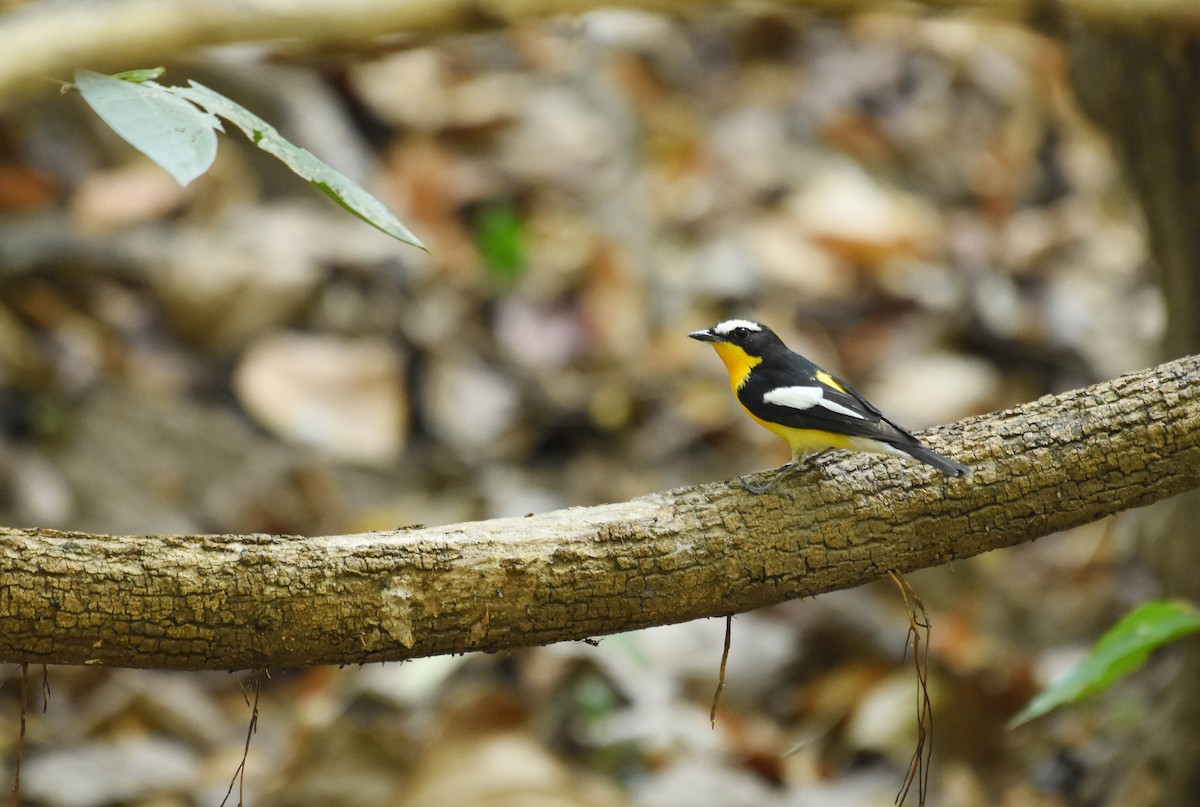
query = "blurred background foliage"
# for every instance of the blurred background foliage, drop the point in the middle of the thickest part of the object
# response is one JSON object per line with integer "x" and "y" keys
{"x": 914, "y": 202}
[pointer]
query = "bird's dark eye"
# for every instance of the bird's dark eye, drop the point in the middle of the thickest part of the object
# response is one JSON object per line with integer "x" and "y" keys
{"x": 741, "y": 333}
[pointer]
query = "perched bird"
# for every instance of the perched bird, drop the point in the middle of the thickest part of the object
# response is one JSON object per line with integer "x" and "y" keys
{"x": 811, "y": 409}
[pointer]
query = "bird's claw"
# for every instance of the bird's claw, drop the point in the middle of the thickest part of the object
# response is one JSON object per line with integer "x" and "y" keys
{"x": 756, "y": 489}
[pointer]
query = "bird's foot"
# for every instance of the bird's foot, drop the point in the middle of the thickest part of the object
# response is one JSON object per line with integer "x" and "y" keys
{"x": 758, "y": 489}
{"x": 810, "y": 460}
{"x": 804, "y": 463}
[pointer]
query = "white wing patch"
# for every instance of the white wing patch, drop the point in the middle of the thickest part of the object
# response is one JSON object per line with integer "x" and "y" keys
{"x": 729, "y": 325}
{"x": 795, "y": 397}
{"x": 834, "y": 406}
{"x": 807, "y": 398}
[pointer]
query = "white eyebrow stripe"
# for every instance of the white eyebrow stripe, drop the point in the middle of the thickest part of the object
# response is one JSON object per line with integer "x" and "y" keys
{"x": 729, "y": 325}
{"x": 807, "y": 398}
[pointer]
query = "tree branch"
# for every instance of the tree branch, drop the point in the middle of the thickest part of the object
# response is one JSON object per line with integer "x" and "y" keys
{"x": 237, "y": 601}
{"x": 51, "y": 39}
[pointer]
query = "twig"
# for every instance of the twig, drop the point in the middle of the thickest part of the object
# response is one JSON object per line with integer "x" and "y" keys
{"x": 712, "y": 715}
{"x": 16, "y": 790}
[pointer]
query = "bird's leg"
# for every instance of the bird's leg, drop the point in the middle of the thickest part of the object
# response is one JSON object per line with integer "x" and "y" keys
{"x": 797, "y": 463}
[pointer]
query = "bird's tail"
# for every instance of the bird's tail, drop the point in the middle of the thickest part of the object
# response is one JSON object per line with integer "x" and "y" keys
{"x": 947, "y": 466}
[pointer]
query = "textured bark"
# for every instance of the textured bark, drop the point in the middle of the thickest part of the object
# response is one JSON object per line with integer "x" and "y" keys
{"x": 50, "y": 39}
{"x": 228, "y": 601}
{"x": 1141, "y": 86}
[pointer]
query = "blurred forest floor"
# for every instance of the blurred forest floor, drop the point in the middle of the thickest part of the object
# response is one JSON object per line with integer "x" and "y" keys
{"x": 914, "y": 203}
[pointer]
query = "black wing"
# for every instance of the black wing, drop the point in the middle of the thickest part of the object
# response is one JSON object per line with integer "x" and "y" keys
{"x": 839, "y": 408}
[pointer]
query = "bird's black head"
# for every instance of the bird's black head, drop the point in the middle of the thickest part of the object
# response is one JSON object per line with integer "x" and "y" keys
{"x": 754, "y": 338}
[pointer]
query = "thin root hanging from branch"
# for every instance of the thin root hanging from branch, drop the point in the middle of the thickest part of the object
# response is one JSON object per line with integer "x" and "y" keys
{"x": 239, "y": 776}
{"x": 918, "y": 626}
{"x": 712, "y": 715}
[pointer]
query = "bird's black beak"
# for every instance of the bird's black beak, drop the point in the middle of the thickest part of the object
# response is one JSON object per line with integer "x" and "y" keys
{"x": 704, "y": 336}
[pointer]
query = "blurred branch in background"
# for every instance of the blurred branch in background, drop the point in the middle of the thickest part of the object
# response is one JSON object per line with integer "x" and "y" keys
{"x": 46, "y": 39}
{"x": 224, "y": 602}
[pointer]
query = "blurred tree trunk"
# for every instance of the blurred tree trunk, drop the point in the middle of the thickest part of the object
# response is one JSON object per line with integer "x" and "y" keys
{"x": 1143, "y": 87}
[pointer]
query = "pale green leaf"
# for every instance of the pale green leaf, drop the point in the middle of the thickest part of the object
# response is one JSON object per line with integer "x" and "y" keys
{"x": 155, "y": 121}
{"x": 303, "y": 162}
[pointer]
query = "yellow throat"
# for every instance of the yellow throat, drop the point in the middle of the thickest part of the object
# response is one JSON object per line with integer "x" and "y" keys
{"x": 738, "y": 362}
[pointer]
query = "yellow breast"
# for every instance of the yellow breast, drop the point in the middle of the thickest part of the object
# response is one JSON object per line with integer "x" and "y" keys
{"x": 803, "y": 441}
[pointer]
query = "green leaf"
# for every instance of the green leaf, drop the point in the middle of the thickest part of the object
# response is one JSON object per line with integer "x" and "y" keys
{"x": 140, "y": 75}
{"x": 155, "y": 121}
{"x": 303, "y": 162}
{"x": 1119, "y": 652}
{"x": 501, "y": 241}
